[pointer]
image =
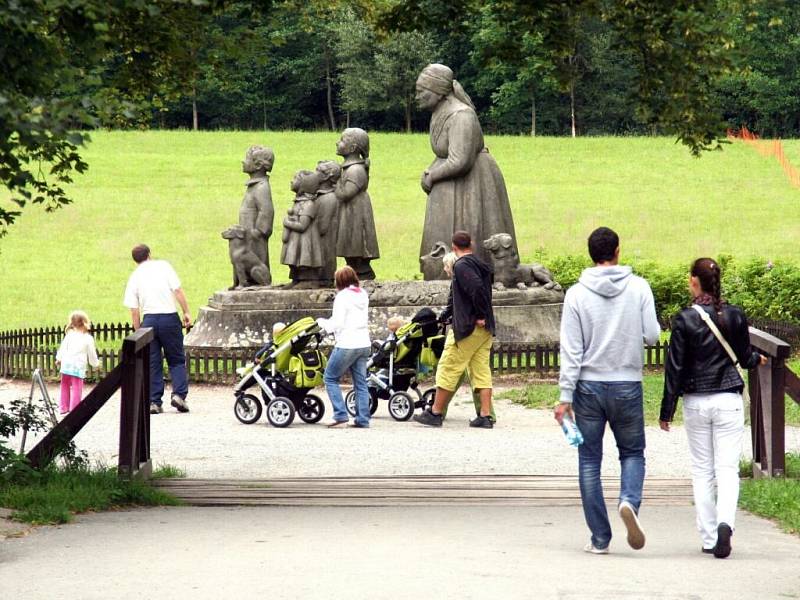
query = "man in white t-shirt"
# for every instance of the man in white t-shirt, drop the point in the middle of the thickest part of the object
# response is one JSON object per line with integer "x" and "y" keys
{"x": 150, "y": 295}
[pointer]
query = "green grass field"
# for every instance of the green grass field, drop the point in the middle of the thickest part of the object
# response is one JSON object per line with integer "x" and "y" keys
{"x": 177, "y": 191}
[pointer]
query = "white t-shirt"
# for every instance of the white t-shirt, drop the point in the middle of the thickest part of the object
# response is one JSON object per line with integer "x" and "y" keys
{"x": 151, "y": 288}
{"x": 76, "y": 350}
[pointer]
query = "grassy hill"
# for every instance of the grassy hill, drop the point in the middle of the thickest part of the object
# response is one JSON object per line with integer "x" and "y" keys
{"x": 176, "y": 191}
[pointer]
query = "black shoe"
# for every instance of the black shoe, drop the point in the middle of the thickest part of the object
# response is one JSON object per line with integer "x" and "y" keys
{"x": 707, "y": 550}
{"x": 426, "y": 417}
{"x": 482, "y": 422}
{"x": 723, "y": 547}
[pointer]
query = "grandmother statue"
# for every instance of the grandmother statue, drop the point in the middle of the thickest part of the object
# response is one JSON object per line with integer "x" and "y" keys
{"x": 465, "y": 188}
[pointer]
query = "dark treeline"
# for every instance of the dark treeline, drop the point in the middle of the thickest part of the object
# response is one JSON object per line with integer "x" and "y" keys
{"x": 323, "y": 65}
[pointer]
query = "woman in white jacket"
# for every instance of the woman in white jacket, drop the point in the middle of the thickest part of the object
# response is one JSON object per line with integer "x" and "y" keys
{"x": 349, "y": 324}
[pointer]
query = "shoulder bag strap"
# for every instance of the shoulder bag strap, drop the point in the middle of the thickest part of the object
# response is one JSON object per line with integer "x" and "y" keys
{"x": 715, "y": 330}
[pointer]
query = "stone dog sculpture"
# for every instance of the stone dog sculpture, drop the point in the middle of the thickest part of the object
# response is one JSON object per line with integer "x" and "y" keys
{"x": 431, "y": 264}
{"x": 507, "y": 270}
{"x": 247, "y": 265}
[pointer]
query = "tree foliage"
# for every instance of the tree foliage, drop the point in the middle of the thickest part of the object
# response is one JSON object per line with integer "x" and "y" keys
{"x": 68, "y": 63}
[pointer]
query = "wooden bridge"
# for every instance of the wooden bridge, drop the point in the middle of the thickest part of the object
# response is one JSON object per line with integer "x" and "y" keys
{"x": 768, "y": 385}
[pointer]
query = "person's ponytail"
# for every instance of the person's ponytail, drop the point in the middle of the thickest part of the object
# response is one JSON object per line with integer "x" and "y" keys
{"x": 709, "y": 275}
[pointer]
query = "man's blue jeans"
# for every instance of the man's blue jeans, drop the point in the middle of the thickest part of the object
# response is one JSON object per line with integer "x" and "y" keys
{"x": 354, "y": 360}
{"x": 167, "y": 334}
{"x": 618, "y": 403}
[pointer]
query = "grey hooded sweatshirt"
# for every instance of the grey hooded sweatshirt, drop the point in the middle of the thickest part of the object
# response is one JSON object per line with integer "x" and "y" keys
{"x": 607, "y": 317}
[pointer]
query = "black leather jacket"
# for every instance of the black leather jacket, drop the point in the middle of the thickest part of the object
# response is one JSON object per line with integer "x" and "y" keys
{"x": 697, "y": 362}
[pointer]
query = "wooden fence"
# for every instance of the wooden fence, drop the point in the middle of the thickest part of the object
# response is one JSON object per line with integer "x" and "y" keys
{"x": 24, "y": 350}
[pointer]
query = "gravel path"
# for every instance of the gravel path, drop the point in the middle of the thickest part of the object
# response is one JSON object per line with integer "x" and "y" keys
{"x": 210, "y": 442}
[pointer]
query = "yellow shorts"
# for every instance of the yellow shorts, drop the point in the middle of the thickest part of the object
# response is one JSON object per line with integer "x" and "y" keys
{"x": 470, "y": 353}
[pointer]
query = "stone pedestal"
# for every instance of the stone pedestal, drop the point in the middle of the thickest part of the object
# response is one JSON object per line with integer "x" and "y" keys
{"x": 244, "y": 318}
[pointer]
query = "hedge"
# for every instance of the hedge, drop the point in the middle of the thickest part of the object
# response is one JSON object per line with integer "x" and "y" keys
{"x": 764, "y": 289}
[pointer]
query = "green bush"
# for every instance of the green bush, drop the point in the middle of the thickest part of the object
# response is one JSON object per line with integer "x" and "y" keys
{"x": 763, "y": 289}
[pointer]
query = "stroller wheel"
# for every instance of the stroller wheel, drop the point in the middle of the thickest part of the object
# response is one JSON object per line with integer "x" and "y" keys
{"x": 427, "y": 398}
{"x": 280, "y": 412}
{"x": 401, "y": 406}
{"x": 247, "y": 409}
{"x": 311, "y": 409}
{"x": 350, "y": 403}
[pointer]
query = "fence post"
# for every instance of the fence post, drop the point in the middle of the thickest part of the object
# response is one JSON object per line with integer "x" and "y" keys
{"x": 134, "y": 429}
{"x": 767, "y": 387}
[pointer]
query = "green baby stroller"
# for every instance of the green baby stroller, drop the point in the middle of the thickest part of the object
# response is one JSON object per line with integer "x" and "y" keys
{"x": 286, "y": 371}
{"x": 394, "y": 367}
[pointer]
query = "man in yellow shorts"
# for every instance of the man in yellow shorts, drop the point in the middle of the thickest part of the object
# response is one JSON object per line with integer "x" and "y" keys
{"x": 470, "y": 337}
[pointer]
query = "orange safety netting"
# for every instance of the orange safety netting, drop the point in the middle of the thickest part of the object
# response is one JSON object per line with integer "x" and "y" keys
{"x": 768, "y": 148}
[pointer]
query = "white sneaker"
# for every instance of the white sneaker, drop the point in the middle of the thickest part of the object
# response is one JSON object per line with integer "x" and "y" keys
{"x": 632, "y": 524}
{"x": 179, "y": 403}
{"x": 592, "y": 550}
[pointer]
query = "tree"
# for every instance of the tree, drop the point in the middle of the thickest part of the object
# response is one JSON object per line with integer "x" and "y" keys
{"x": 514, "y": 86}
{"x": 679, "y": 50}
{"x": 765, "y": 95}
{"x": 398, "y": 63}
{"x": 377, "y": 73}
{"x": 52, "y": 55}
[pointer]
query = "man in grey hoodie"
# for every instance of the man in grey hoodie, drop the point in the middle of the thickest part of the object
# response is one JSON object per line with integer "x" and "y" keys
{"x": 607, "y": 317}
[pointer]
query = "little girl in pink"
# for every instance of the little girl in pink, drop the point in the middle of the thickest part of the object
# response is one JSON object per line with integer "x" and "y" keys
{"x": 76, "y": 351}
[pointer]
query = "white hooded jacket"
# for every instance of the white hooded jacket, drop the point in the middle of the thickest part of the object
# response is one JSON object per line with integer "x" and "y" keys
{"x": 349, "y": 322}
{"x": 607, "y": 317}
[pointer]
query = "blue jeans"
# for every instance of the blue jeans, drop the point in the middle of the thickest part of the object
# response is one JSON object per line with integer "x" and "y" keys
{"x": 167, "y": 334}
{"x": 618, "y": 403}
{"x": 354, "y": 360}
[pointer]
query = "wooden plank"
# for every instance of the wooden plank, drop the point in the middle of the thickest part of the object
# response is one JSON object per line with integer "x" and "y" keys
{"x": 69, "y": 427}
{"x": 792, "y": 383}
{"x": 777, "y": 441}
{"x": 129, "y": 410}
{"x": 769, "y": 344}
{"x": 424, "y": 490}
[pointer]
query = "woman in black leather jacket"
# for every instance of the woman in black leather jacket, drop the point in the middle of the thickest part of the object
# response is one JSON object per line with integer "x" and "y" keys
{"x": 700, "y": 369}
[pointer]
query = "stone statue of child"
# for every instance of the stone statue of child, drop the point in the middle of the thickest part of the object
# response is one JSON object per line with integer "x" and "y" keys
{"x": 328, "y": 217}
{"x": 356, "y": 241}
{"x": 302, "y": 248}
{"x": 256, "y": 213}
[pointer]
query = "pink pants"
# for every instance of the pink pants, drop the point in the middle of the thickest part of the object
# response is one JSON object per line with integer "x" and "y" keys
{"x": 71, "y": 392}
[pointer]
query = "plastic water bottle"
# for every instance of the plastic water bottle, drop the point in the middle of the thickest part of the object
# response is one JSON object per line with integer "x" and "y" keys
{"x": 571, "y": 431}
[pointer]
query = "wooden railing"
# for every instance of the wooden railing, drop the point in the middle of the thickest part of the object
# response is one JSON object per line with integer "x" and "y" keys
{"x": 768, "y": 386}
{"x": 132, "y": 377}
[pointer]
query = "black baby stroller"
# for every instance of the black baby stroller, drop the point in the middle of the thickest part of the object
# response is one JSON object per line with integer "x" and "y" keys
{"x": 396, "y": 363}
{"x": 286, "y": 371}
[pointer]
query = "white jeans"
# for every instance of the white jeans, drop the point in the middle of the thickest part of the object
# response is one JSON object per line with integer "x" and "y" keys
{"x": 715, "y": 427}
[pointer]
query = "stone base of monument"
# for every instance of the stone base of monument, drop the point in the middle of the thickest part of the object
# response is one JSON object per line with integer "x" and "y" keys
{"x": 244, "y": 318}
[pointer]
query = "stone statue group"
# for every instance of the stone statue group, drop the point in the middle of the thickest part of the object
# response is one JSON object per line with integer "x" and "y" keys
{"x": 331, "y": 215}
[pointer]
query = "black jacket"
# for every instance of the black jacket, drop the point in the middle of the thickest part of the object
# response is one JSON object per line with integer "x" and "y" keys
{"x": 470, "y": 296}
{"x": 697, "y": 362}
